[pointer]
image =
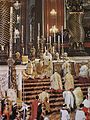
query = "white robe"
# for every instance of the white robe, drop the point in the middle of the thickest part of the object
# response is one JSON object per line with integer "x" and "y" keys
{"x": 84, "y": 71}
{"x": 69, "y": 99}
{"x": 47, "y": 57}
{"x": 86, "y": 103}
{"x": 64, "y": 115}
{"x": 56, "y": 82}
{"x": 43, "y": 95}
{"x": 80, "y": 115}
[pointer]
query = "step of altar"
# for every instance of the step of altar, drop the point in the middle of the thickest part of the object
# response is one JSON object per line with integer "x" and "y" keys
{"x": 34, "y": 87}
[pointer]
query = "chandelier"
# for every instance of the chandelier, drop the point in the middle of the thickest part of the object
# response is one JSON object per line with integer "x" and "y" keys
{"x": 53, "y": 12}
{"x": 53, "y": 29}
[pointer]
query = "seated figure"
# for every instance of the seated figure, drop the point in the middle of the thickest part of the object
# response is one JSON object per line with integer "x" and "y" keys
{"x": 83, "y": 71}
{"x": 46, "y": 57}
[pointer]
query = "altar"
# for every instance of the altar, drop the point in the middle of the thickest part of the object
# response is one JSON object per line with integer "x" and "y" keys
{"x": 57, "y": 64}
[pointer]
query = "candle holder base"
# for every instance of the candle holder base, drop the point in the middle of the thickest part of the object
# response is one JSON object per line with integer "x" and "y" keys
{"x": 38, "y": 53}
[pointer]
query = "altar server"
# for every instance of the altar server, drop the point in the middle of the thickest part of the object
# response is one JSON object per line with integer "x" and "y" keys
{"x": 80, "y": 115}
{"x": 69, "y": 99}
{"x": 64, "y": 114}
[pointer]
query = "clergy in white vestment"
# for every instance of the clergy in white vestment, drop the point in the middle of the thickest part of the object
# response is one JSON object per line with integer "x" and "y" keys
{"x": 78, "y": 96}
{"x": 66, "y": 67}
{"x": 56, "y": 81}
{"x": 69, "y": 99}
{"x": 69, "y": 81}
{"x": 48, "y": 65}
{"x": 80, "y": 114}
{"x": 83, "y": 71}
{"x": 49, "y": 69}
{"x": 47, "y": 57}
{"x": 43, "y": 95}
{"x": 29, "y": 68}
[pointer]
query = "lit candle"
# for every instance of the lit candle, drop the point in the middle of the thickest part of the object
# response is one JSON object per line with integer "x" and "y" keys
{"x": 30, "y": 33}
{"x": 22, "y": 33}
{"x": 39, "y": 29}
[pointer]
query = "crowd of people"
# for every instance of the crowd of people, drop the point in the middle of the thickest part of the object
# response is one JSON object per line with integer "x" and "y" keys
{"x": 40, "y": 106}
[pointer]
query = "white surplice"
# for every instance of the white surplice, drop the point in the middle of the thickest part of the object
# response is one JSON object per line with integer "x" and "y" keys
{"x": 69, "y": 99}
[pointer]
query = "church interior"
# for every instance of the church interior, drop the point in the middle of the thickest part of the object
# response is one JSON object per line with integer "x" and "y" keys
{"x": 44, "y": 59}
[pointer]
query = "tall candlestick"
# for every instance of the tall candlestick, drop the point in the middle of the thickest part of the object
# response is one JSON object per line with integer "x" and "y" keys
{"x": 45, "y": 49}
{"x": 38, "y": 38}
{"x": 39, "y": 29}
{"x": 22, "y": 33}
{"x": 30, "y": 33}
{"x": 50, "y": 40}
{"x": 11, "y": 30}
{"x": 62, "y": 41}
{"x": 62, "y": 34}
{"x": 53, "y": 49}
{"x": 47, "y": 33}
{"x": 54, "y": 38}
{"x": 58, "y": 43}
{"x": 23, "y": 50}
